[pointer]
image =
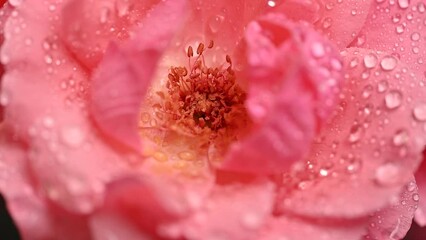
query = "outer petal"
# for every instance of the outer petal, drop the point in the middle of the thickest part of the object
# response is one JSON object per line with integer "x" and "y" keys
{"x": 421, "y": 182}
{"x": 341, "y": 21}
{"x": 393, "y": 222}
{"x": 293, "y": 76}
{"x": 161, "y": 201}
{"x": 34, "y": 216}
{"x": 230, "y": 212}
{"x": 45, "y": 93}
{"x": 397, "y": 27}
{"x": 371, "y": 146}
{"x": 120, "y": 82}
{"x": 298, "y": 229}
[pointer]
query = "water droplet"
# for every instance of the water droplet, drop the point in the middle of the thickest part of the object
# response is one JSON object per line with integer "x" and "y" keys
{"x": 251, "y": 221}
{"x": 317, "y": 50}
{"x": 387, "y": 174}
{"x": 382, "y": 86}
{"x": 400, "y": 138}
{"x": 73, "y": 136}
{"x": 327, "y": 23}
{"x": 355, "y": 133}
{"x": 419, "y": 112}
{"x": 399, "y": 29}
{"x": 415, "y": 36}
{"x": 15, "y": 3}
{"x": 4, "y": 99}
{"x": 370, "y": 60}
{"x": 393, "y": 99}
{"x": 367, "y": 91}
{"x": 416, "y": 197}
{"x": 411, "y": 186}
{"x": 272, "y": 3}
{"x": 215, "y": 23}
{"x": 403, "y": 3}
{"x": 388, "y": 63}
{"x": 48, "y": 122}
{"x": 323, "y": 172}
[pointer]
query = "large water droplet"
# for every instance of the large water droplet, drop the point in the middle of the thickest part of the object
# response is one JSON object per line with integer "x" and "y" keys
{"x": 419, "y": 112}
{"x": 317, "y": 50}
{"x": 370, "y": 60}
{"x": 387, "y": 174}
{"x": 388, "y": 63}
{"x": 73, "y": 136}
{"x": 271, "y": 3}
{"x": 393, "y": 99}
{"x": 403, "y": 3}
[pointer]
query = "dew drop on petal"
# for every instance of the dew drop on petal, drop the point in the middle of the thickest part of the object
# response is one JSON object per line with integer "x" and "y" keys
{"x": 317, "y": 50}
{"x": 415, "y": 36}
{"x": 387, "y": 174}
{"x": 271, "y": 3}
{"x": 393, "y": 99}
{"x": 419, "y": 112}
{"x": 403, "y": 3}
{"x": 411, "y": 186}
{"x": 388, "y": 63}
{"x": 355, "y": 133}
{"x": 416, "y": 197}
{"x": 382, "y": 86}
{"x": 73, "y": 136}
{"x": 370, "y": 60}
{"x": 400, "y": 138}
{"x": 15, "y": 3}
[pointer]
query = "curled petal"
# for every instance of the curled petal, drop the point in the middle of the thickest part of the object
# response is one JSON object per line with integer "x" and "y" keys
{"x": 394, "y": 221}
{"x": 420, "y": 176}
{"x": 293, "y": 74}
{"x": 371, "y": 146}
{"x": 123, "y": 76}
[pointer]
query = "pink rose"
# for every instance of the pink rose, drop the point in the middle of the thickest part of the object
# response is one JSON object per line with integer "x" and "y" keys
{"x": 186, "y": 119}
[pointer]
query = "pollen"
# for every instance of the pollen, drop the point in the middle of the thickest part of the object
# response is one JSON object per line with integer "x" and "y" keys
{"x": 199, "y": 99}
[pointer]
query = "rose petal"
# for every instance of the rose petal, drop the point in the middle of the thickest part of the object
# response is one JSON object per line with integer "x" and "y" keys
{"x": 420, "y": 176}
{"x": 284, "y": 227}
{"x": 88, "y": 27}
{"x": 230, "y": 212}
{"x": 45, "y": 93}
{"x": 340, "y": 21}
{"x": 397, "y": 27}
{"x": 371, "y": 146}
{"x": 284, "y": 127}
{"x": 211, "y": 20}
{"x": 394, "y": 221}
{"x": 120, "y": 82}
{"x": 162, "y": 200}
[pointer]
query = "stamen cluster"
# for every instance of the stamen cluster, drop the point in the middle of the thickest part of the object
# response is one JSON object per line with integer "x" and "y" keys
{"x": 202, "y": 98}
